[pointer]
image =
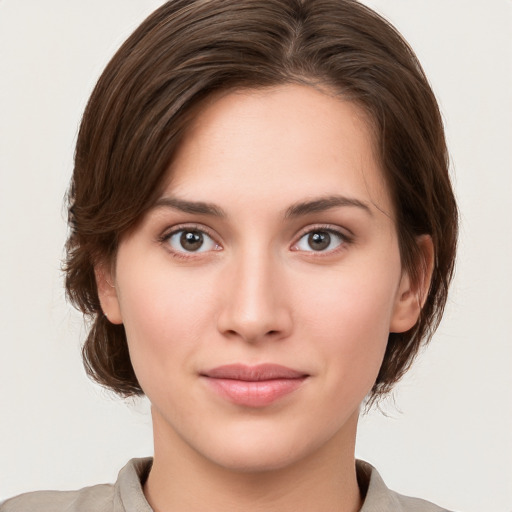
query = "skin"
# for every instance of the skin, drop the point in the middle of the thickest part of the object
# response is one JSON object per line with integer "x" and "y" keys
{"x": 258, "y": 291}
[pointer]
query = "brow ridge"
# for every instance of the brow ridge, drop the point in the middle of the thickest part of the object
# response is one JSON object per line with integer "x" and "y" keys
{"x": 325, "y": 203}
{"x": 295, "y": 210}
{"x": 193, "y": 207}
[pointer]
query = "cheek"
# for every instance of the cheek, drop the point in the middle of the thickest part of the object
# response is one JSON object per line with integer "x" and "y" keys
{"x": 356, "y": 300}
{"x": 164, "y": 314}
{"x": 349, "y": 319}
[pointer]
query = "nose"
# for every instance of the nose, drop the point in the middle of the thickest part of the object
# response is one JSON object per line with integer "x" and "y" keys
{"x": 255, "y": 305}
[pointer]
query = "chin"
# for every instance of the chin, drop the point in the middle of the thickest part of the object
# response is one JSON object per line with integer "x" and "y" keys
{"x": 255, "y": 459}
{"x": 261, "y": 448}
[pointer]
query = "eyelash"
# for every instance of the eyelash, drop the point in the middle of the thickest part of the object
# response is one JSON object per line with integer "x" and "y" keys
{"x": 344, "y": 238}
{"x": 184, "y": 255}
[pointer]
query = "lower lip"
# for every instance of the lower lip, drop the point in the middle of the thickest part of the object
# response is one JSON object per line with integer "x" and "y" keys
{"x": 254, "y": 393}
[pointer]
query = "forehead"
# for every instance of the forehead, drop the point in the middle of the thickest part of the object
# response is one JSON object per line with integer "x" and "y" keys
{"x": 294, "y": 139}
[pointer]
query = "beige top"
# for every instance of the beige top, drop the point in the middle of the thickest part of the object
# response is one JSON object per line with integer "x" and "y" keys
{"x": 126, "y": 495}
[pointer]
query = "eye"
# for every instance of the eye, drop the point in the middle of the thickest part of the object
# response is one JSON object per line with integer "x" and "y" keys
{"x": 191, "y": 240}
{"x": 320, "y": 240}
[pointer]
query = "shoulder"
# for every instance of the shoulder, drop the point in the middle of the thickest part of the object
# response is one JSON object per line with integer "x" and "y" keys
{"x": 409, "y": 504}
{"x": 381, "y": 499}
{"x": 97, "y": 498}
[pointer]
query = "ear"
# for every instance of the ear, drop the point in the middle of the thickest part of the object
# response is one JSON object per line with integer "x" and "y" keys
{"x": 107, "y": 293}
{"x": 412, "y": 293}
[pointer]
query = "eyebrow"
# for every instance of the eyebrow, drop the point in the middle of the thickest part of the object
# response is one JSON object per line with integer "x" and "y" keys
{"x": 194, "y": 207}
{"x": 299, "y": 209}
{"x": 322, "y": 204}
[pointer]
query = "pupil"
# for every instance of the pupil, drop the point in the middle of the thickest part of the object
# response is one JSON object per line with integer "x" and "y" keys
{"x": 191, "y": 240}
{"x": 319, "y": 240}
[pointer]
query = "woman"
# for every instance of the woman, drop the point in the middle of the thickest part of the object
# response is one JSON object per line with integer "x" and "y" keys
{"x": 263, "y": 233}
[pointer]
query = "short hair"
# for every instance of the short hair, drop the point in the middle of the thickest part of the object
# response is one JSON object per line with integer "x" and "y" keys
{"x": 189, "y": 49}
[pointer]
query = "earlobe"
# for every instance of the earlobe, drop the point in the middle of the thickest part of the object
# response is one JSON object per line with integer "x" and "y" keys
{"x": 412, "y": 292}
{"x": 107, "y": 293}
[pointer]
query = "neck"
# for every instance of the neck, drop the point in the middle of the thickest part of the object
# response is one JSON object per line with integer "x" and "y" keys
{"x": 181, "y": 480}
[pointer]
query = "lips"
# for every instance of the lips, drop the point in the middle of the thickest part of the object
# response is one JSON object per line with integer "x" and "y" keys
{"x": 253, "y": 386}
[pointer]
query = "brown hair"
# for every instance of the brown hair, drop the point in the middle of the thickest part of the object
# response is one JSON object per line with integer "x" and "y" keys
{"x": 182, "y": 54}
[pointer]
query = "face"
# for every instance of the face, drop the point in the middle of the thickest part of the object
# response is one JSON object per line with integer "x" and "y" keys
{"x": 258, "y": 294}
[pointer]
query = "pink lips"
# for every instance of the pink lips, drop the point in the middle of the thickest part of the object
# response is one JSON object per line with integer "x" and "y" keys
{"x": 253, "y": 386}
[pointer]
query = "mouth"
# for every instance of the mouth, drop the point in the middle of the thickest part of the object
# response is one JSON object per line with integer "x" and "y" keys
{"x": 253, "y": 386}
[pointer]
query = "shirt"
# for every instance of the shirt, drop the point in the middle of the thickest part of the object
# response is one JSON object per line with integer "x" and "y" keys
{"x": 126, "y": 495}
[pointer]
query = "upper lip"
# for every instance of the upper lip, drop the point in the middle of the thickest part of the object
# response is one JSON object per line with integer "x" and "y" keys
{"x": 255, "y": 373}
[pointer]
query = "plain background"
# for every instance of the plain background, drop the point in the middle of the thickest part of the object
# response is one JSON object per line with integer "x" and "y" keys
{"x": 448, "y": 438}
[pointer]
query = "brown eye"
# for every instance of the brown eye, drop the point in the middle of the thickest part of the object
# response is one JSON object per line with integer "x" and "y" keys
{"x": 319, "y": 240}
{"x": 190, "y": 240}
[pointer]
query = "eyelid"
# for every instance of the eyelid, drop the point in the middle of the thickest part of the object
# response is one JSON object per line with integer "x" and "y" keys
{"x": 345, "y": 234}
{"x": 172, "y": 230}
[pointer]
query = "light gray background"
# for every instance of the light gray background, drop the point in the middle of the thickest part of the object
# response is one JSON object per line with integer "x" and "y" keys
{"x": 450, "y": 441}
